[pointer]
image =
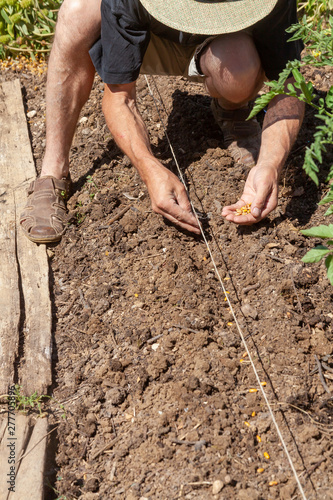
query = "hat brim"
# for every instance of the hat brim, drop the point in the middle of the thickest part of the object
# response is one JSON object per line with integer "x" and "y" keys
{"x": 203, "y": 17}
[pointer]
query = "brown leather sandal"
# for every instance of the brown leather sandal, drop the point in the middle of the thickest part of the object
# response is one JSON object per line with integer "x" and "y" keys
{"x": 44, "y": 217}
{"x": 241, "y": 138}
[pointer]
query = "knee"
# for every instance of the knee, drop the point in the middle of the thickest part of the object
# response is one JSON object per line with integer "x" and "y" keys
{"x": 79, "y": 23}
{"x": 232, "y": 68}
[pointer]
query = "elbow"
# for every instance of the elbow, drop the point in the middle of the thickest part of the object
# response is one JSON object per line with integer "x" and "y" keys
{"x": 117, "y": 96}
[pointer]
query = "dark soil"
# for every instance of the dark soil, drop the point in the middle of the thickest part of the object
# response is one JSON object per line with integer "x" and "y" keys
{"x": 148, "y": 361}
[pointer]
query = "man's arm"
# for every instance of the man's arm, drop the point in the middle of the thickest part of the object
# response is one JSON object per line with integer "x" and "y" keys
{"x": 282, "y": 122}
{"x": 167, "y": 194}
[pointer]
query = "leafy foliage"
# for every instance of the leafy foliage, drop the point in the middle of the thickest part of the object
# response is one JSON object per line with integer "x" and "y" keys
{"x": 27, "y": 26}
{"x": 315, "y": 10}
{"x": 321, "y": 251}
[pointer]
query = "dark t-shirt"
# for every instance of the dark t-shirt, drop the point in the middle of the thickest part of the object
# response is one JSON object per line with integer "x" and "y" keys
{"x": 126, "y": 28}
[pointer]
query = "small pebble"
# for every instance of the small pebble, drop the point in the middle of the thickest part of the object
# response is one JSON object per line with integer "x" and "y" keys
{"x": 199, "y": 445}
{"x": 32, "y": 114}
{"x": 217, "y": 487}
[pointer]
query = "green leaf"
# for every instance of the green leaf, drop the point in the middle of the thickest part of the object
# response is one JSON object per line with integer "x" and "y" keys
{"x": 10, "y": 29}
{"x": 310, "y": 167}
{"x": 4, "y": 15}
{"x": 321, "y": 231}
{"x": 329, "y": 242}
{"x": 24, "y": 29}
{"x": 329, "y": 267}
{"x": 329, "y": 211}
{"x": 328, "y": 198}
{"x": 261, "y": 103}
{"x": 307, "y": 91}
{"x": 290, "y": 87}
{"x": 297, "y": 75}
{"x": 316, "y": 254}
{"x": 329, "y": 98}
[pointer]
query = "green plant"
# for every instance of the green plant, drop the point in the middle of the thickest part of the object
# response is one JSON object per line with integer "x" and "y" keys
{"x": 27, "y": 26}
{"x": 91, "y": 184}
{"x": 319, "y": 42}
{"x": 317, "y": 37}
{"x": 30, "y": 402}
{"x": 315, "y": 10}
{"x": 91, "y": 181}
{"x": 80, "y": 217}
{"x": 320, "y": 251}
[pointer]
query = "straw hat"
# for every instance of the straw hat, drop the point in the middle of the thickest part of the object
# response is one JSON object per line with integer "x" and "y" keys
{"x": 209, "y": 17}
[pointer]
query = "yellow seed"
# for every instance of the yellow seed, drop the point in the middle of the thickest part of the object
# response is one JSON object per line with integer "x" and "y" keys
{"x": 245, "y": 209}
{"x": 258, "y": 439}
{"x": 241, "y": 360}
{"x": 229, "y": 324}
{"x": 106, "y": 253}
{"x": 266, "y": 455}
{"x": 263, "y": 383}
{"x": 247, "y": 424}
{"x": 272, "y": 483}
{"x": 260, "y": 470}
{"x": 136, "y": 295}
{"x": 253, "y": 414}
{"x": 253, "y": 390}
{"x": 244, "y": 355}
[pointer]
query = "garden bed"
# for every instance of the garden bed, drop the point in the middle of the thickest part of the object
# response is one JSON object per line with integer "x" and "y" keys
{"x": 147, "y": 356}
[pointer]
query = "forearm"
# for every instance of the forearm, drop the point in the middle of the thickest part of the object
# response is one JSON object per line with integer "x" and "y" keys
{"x": 128, "y": 129}
{"x": 281, "y": 125}
{"x": 168, "y": 195}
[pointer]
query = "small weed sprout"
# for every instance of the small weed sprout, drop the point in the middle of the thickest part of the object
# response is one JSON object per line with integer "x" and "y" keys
{"x": 91, "y": 183}
{"x": 29, "y": 402}
{"x": 34, "y": 402}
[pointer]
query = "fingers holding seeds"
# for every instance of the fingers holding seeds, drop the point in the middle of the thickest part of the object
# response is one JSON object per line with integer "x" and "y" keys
{"x": 239, "y": 213}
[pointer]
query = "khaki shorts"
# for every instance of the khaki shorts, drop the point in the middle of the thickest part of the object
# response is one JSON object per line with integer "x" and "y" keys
{"x": 164, "y": 57}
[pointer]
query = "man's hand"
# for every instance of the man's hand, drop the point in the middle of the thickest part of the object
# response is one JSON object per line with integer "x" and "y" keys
{"x": 280, "y": 128}
{"x": 168, "y": 198}
{"x": 167, "y": 194}
{"x": 261, "y": 190}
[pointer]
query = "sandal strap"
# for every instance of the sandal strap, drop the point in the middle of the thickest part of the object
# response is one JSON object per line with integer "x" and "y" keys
{"x": 44, "y": 217}
{"x": 42, "y": 184}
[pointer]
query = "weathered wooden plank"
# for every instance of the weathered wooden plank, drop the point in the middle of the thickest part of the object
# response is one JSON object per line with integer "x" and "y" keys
{"x": 35, "y": 373}
{"x": 17, "y": 170}
{"x": 3, "y": 426}
{"x": 30, "y": 477}
{"x": 11, "y": 447}
{"x": 9, "y": 280}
